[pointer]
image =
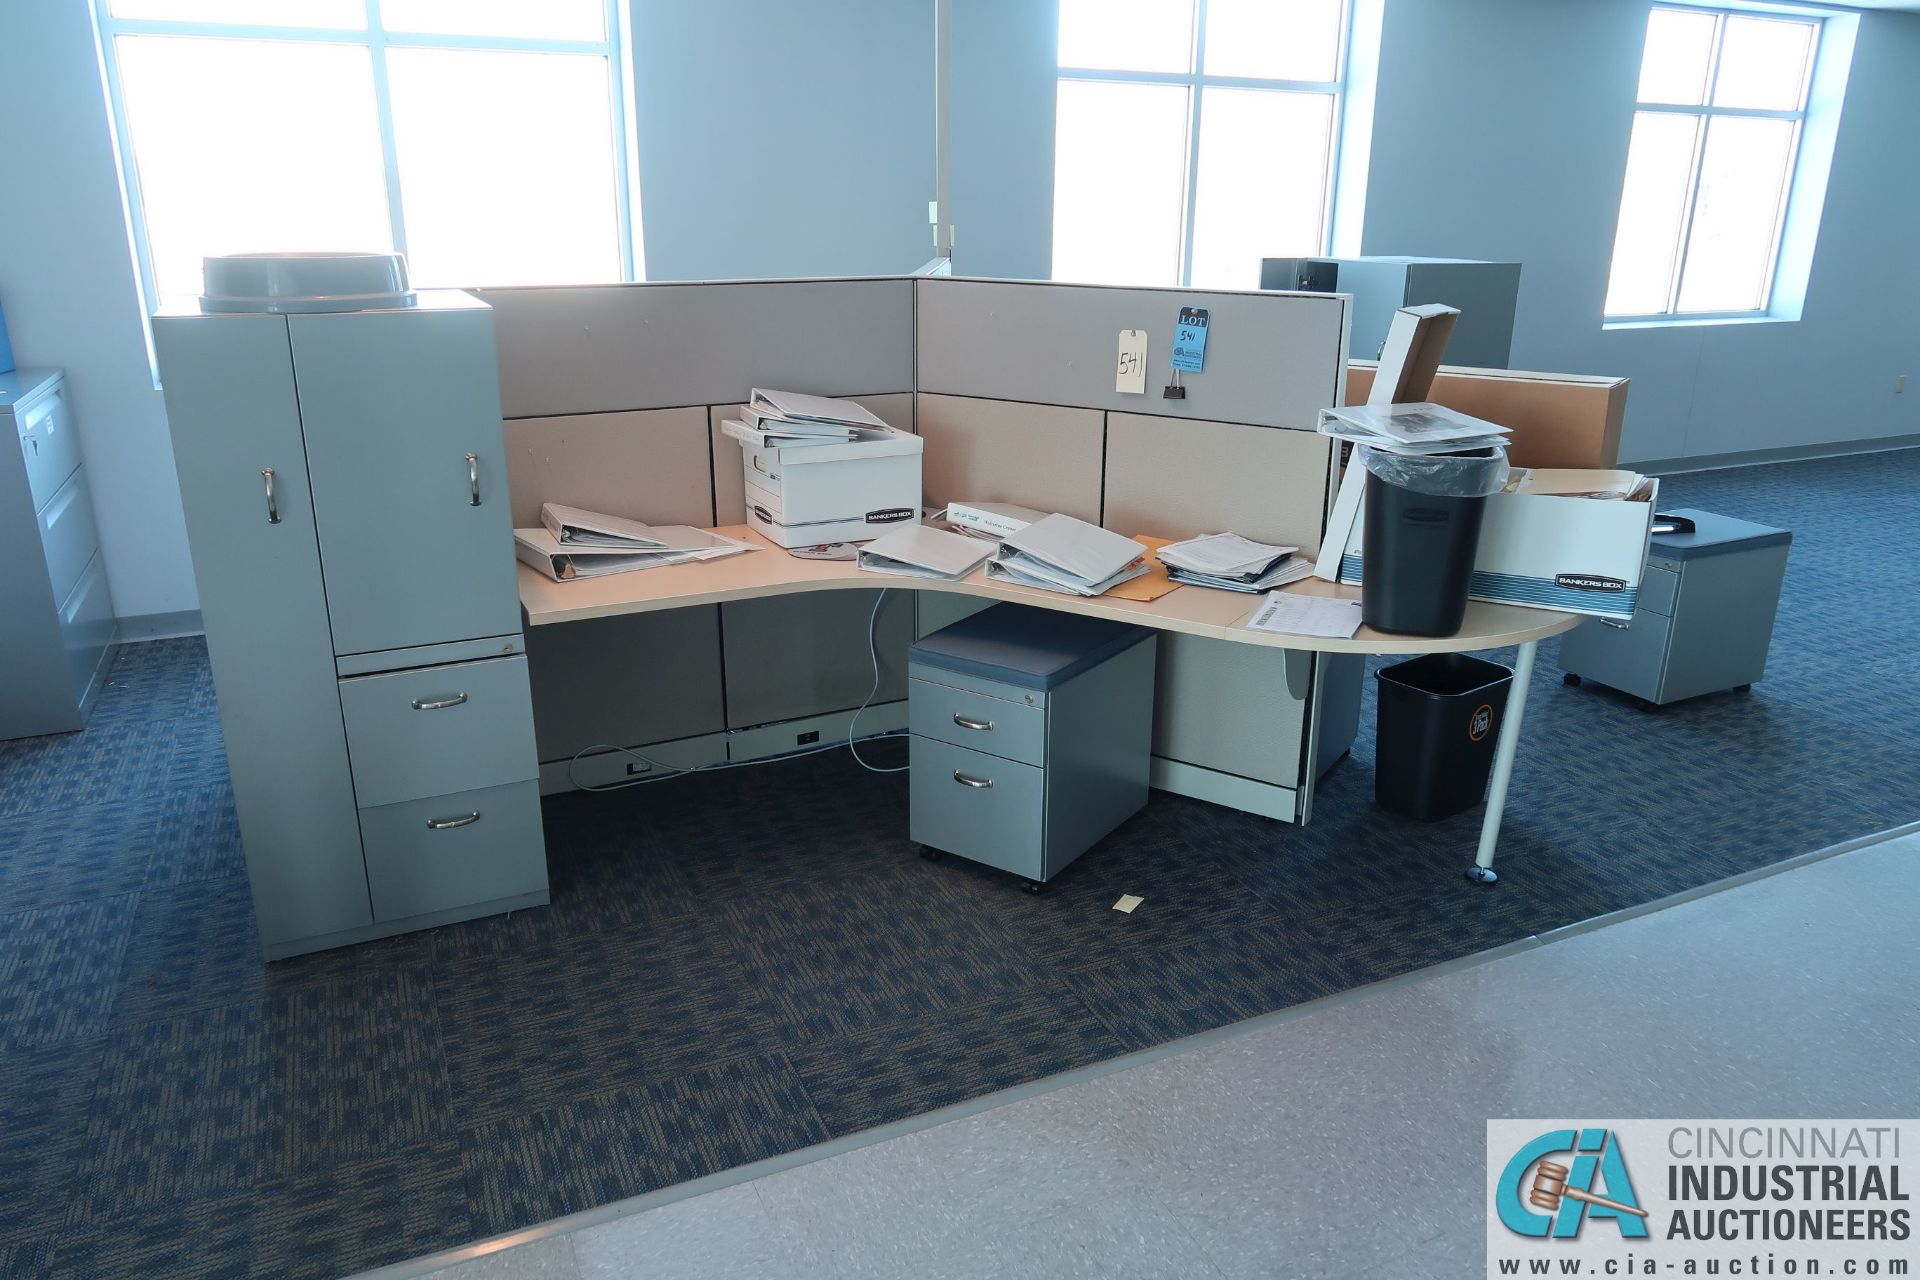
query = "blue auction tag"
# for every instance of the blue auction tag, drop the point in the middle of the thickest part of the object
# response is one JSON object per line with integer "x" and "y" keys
{"x": 1190, "y": 340}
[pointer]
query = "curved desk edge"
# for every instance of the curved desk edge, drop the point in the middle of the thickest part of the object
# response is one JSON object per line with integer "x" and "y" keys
{"x": 1198, "y": 611}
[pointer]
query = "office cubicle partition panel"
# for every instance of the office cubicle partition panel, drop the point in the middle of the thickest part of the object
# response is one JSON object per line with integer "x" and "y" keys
{"x": 1012, "y": 387}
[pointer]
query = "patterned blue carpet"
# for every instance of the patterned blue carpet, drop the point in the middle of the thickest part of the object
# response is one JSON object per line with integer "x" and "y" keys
{"x": 738, "y": 965}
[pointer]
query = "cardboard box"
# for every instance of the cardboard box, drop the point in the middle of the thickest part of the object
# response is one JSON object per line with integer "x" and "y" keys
{"x": 1572, "y": 554}
{"x": 800, "y": 495}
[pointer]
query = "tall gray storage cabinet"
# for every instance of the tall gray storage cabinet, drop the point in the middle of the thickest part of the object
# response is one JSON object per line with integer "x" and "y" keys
{"x": 345, "y": 489}
{"x": 1486, "y": 293}
{"x": 56, "y": 613}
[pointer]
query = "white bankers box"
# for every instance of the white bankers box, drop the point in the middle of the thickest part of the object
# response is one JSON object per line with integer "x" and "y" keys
{"x": 799, "y": 495}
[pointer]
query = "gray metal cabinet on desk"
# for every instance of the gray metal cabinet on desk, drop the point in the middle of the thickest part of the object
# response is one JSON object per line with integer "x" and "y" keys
{"x": 344, "y": 486}
{"x": 56, "y": 612}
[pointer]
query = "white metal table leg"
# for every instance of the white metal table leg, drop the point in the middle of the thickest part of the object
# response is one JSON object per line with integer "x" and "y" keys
{"x": 1503, "y": 752}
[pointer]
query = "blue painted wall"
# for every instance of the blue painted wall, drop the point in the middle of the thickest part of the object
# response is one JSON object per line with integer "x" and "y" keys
{"x": 784, "y": 139}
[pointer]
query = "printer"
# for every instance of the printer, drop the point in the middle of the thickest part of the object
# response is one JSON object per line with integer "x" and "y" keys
{"x": 799, "y": 495}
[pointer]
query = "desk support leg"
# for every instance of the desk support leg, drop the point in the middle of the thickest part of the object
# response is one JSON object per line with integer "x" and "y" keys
{"x": 1503, "y": 753}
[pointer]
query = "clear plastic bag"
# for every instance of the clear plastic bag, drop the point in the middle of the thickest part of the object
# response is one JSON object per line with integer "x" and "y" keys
{"x": 1477, "y": 474}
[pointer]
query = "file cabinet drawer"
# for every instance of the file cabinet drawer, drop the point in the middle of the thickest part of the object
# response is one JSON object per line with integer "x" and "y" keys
{"x": 453, "y": 851}
{"x": 978, "y": 806}
{"x": 1658, "y": 587}
{"x": 67, "y": 533}
{"x": 437, "y": 730}
{"x": 977, "y": 722}
{"x": 49, "y": 445}
{"x": 87, "y": 626}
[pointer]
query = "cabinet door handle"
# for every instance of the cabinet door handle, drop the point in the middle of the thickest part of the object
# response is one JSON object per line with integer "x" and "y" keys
{"x": 273, "y": 507}
{"x": 966, "y": 723}
{"x": 448, "y": 824}
{"x": 473, "y": 479}
{"x": 967, "y": 780}
{"x": 437, "y": 704}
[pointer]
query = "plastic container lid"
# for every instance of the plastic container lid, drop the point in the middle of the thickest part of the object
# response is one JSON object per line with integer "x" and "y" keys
{"x": 285, "y": 282}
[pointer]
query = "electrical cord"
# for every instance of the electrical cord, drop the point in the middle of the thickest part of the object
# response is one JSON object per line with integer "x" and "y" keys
{"x": 873, "y": 653}
{"x": 669, "y": 771}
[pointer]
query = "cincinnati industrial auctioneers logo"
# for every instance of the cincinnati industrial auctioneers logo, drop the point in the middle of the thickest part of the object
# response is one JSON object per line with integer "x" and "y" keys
{"x": 1702, "y": 1197}
{"x": 1564, "y": 1195}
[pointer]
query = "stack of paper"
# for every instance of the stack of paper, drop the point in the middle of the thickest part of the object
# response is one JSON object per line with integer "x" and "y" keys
{"x": 1230, "y": 562}
{"x": 1060, "y": 553}
{"x": 915, "y": 551}
{"x": 1573, "y": 482}
{"x": 585, "y": 544}
{"x": 787, "y": 418}
{"x": 1307, "y": 616}
{"x": 1412, "y": 428}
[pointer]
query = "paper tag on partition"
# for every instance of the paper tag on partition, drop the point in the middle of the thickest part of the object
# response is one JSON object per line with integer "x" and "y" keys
{"x": 1130, "y": 373}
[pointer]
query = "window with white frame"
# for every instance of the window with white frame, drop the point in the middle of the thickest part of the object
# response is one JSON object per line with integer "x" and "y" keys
{"x": 1194, "y": 137}
{"x": 485, "y": 139}
{"x": 1722, "y": 103}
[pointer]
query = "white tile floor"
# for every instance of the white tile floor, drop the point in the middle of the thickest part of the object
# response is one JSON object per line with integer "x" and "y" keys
{"x": 1348, "y": 1141}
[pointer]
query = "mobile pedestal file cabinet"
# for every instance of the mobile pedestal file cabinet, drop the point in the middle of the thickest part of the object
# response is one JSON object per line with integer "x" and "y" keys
{"x": 344, "y": 482}
{"x": 1703, "y": 620}
{"x": 1032, "y": 735}
{"x": 56, "y": 613}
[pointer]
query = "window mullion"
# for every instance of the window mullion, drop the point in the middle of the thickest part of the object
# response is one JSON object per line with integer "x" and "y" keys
{"x": 1699, "y": 160}
{"x": 1198, "y": 65}
{"x": 383, "y": 112}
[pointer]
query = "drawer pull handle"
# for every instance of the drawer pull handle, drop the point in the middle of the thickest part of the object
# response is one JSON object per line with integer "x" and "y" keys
{"x": 966, "y": 723}
{"x": 273, "y": 507}
{"x": 473, "y": 479}
{"x": 448, "y": 824}
{"x": 967, "y": 780}
{"x": 436, "y": 704}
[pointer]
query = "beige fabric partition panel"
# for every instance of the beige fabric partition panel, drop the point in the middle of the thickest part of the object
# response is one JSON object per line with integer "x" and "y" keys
{"x": 1273, "y": 359}
{"x": 595, "y": 348}
{"x": 1176, "y": 479}
{"x": 645, "y": 677}
{"x": 729, "y": 501}
{"x": 788, "y": 657}
{"x": 651, "y": 466}
{"x": 1033, "y": 455}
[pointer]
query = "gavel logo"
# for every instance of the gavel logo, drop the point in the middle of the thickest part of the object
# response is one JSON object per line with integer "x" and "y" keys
{"x": 1550, "y": 1186}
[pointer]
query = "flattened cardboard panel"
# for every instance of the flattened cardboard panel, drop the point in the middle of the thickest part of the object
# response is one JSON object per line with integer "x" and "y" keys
{"x": 1178, "y": 479}
{"x": 1033, "y": 455}
{"x": 1273, "y": 359}
{"x": 597, "y": 348}
{"x": 806, "y": 655}
{"x": 1558, "y": 420}
{"x": 584, "y": 695}
{"x": 729, "y": 500}
{"x": 654, "y": 466}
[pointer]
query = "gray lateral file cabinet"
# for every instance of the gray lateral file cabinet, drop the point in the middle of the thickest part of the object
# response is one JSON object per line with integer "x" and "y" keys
{"x": 1486, "y": 293}
{"x": 56, "y": 614}
{"x": 1032, "y": 735}
{"x": 344, "y": 481}
{"x": 1704, "y": 618}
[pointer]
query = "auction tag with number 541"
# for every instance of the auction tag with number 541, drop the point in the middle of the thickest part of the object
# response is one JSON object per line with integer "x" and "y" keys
{"x": 1130, "y": 374}
{"x": 1190, "y": 340}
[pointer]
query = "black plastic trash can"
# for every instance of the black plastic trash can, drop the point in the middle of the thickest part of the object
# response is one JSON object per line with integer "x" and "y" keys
{"x": 1422, "y": 530}
{"x": 1438, "y": 721}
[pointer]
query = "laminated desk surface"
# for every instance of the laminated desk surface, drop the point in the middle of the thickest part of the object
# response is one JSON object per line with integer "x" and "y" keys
{"x": 1199, "y": 611}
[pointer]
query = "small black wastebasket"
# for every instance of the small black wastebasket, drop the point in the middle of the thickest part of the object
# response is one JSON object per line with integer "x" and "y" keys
{"x": 1422, "y": 529}
{"x": 1438, "y": 721}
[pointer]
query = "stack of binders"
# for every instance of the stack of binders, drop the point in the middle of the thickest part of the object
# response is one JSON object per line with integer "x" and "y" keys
{"x": 1229, "y": 562}
{"x": 585, "y": 544}
{"x": 781, "y": 419}
{"x": 1060, "y": 553}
